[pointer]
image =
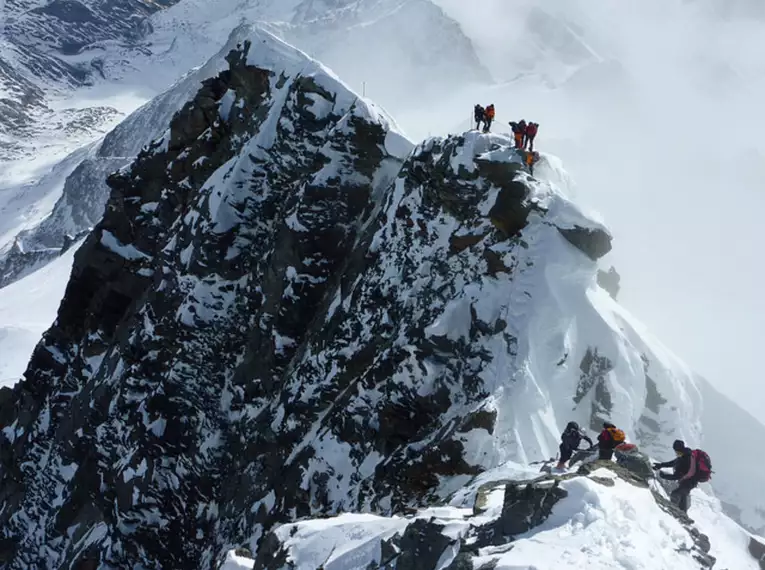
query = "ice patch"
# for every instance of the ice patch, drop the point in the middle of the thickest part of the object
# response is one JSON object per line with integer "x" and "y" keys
{"x": 130, "y": 252}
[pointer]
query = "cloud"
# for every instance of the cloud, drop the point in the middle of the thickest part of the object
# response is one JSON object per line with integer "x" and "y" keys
{"x": 656, "y": 109}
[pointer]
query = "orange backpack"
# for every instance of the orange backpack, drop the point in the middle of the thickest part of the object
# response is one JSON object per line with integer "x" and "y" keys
{"x": 617, "y": 435}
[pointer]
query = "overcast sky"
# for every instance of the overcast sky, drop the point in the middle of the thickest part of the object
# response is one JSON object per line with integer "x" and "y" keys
{"x": 662, "y": 128}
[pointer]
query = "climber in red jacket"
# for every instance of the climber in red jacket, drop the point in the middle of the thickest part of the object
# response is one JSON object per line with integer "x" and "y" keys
{"x": 531, "y": 132}
{"x": 609, "y": 438}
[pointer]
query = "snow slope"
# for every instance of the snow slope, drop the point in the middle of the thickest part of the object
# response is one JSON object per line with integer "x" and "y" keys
{"x": 27, "y": 309}
{"x": 42, "y": 216}
{"x": 602, "y": 520}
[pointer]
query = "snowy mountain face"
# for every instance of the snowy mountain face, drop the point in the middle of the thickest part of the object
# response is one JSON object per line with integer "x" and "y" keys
{"x": 47, "y": 48}
{"x": 353, "y": 36}
{"x": 287, "y": 312}
{"x": 81, "y": 177}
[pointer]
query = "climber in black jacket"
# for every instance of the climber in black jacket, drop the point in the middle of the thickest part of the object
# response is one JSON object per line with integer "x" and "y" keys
{"x": 684, "y": 470}
{"x": 570, "y": 439}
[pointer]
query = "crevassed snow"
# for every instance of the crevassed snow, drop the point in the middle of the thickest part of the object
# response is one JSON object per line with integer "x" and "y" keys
{"x": 27, "y": 308}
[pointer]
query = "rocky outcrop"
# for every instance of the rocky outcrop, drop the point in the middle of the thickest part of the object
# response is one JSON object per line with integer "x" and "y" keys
{"x": 593, "y": 386}
{"x": 594, "y": 243}
{"x": 757, "y": 550}
{"x": 609, "y": 280}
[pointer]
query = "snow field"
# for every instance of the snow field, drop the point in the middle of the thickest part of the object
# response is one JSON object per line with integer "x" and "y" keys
{"x": 27, "y": 309}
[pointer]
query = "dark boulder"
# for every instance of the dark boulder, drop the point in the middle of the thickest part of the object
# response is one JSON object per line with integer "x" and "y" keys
{"x": 593, "y": 243}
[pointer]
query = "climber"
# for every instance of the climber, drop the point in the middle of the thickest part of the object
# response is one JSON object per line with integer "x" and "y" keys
{"x": 488, "y": 118}
{"x": 522, "y": 128}
{"x": 530, "y": 160}
{"x": 478, "y": 115}
{"x": 517, "y": 134}
{"x": 690, "y": 467}
{"x": 609, "y": 438}
{"x": 570, "y": 439}
{"x": 531, "y": 132}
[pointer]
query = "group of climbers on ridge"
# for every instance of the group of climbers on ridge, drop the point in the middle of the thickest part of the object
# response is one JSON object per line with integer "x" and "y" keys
{"x": 524, "y": 133}
{"x": 690, "y": 467}
{"x": 483, "y": 116}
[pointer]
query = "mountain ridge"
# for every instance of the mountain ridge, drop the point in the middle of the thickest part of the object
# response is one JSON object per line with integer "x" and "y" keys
{"x": 287, "y": 311}
{"x": 602, "y": 374}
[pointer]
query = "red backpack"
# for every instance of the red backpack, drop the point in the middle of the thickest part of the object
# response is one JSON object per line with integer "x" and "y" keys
{"x": 703, "y": 465}
{"x": 531, "y": 130}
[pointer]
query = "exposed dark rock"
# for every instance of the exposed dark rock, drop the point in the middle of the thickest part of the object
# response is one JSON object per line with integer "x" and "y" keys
{"x": 609, "y": 280}
{"x": 482, "y": 419}
{"x": 635, "y": 462}
{"x": 69, "y": 11}
{"x": 653, "y": 398}
{"x": 460, "y": 242}
{"x": 421, "y": 546}
{"x": 594, "y": 369}
{"x": 511, "y": 210}
{"x": 494, "y": 263}
{"x": 757, "y": 549}
{"x": 528, "y": 506}
{"x": 593, "y": 243}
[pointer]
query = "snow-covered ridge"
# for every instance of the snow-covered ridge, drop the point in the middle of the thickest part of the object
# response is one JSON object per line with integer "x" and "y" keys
{"x": 139, "y": 53}
{"x": 288, "y": 311}
{"x": 511, "y": 518}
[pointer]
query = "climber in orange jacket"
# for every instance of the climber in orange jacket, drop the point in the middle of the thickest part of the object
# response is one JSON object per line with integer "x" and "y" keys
{"x": 531, "y": 159}
{"x": 488, "y": 118}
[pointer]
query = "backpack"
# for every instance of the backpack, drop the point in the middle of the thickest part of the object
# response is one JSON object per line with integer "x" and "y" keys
{"x": 617, "y": 435}
{"x": 703, "y": 465}
{"x": 531, "y": 130}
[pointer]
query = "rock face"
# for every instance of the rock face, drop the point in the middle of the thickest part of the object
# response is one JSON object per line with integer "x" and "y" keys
{"x": 302, "y": 186}
{"x": 286, "y": 313}
{"x": 757, "y": 550}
